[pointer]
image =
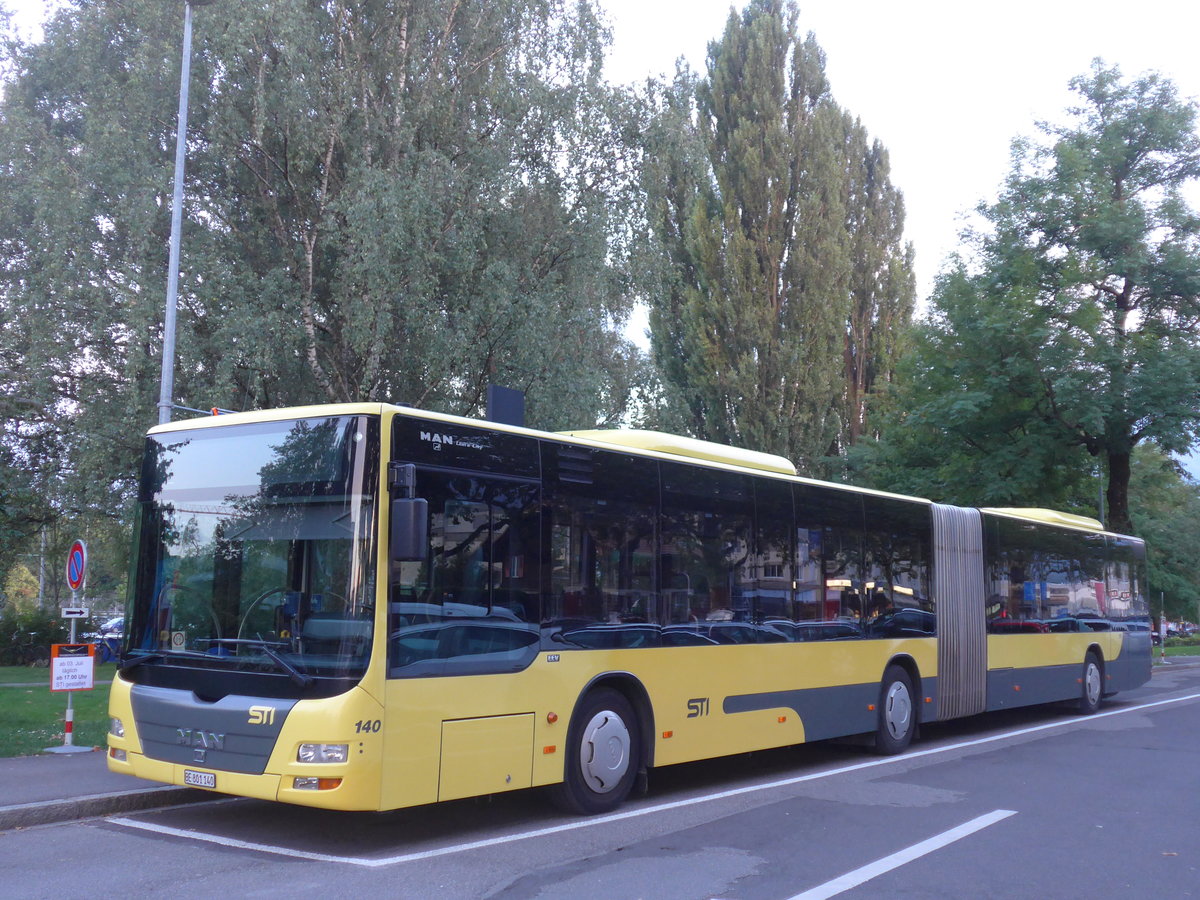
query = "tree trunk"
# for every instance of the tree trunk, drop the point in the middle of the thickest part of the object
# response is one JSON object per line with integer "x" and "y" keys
{"x": 1117, "y": 494}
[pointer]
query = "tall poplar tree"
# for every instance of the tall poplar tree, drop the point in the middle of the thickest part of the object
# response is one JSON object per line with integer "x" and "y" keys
{"x": 782, "y": 236}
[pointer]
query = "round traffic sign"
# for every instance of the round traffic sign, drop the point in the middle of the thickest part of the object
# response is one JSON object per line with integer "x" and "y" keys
{"x": 77, "y": 565}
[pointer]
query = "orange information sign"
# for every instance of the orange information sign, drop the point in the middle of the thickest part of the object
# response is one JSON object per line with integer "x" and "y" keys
{"x": 72, "y": 667}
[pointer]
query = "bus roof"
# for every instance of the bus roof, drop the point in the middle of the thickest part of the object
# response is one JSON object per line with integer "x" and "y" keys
{"x": 686, "y": 446}
{"x": 1050, "y": 516}
{"x": 272, "y": 415}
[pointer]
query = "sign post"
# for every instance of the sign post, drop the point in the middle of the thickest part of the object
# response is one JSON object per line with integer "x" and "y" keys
{"x": 73, "y": 666}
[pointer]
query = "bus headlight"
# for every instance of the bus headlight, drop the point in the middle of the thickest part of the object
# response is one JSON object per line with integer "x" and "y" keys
{"x": 116, "y": 727}
{"x": 323, "y": 753}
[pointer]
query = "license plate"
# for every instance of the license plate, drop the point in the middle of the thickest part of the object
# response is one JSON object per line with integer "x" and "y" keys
{"x": 199, "y": 779}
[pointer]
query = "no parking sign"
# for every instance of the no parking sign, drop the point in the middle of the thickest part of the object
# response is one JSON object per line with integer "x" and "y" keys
{"x": 77, "y": 566}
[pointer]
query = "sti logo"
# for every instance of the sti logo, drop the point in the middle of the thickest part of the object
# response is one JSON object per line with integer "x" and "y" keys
{"x": 450, "y": 440}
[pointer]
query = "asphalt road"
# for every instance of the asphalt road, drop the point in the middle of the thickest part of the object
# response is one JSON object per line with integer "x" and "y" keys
{"x": 1029, "y": 804}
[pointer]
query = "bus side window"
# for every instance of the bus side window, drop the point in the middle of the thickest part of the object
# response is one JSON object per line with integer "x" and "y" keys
{"x": 705, "y": 553}
{"x": 829, "y": 539}
{"x": 601, "y": 508}
{"x": 896, "y": 598}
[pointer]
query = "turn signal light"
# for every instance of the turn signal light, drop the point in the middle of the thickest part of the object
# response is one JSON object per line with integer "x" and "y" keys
{"x": 316, "y": 784}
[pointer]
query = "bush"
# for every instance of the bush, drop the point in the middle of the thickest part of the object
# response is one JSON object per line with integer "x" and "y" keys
{"x": 18, "y": 627}
{"x": 1189, "y": 641}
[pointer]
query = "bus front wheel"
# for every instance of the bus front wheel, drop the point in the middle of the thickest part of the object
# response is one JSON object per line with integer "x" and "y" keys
{"x": 897, "y": 712}
{"x": 1093, "y": 685}
{"x": 603, "y": 749}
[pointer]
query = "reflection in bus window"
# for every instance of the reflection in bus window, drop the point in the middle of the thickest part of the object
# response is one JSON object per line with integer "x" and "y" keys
{"x": 602, "y": 540}
{"x": 705, "y": 549}
{"x": 829, "y": 557}
{"x": 478, "y": 593}
{"x": 1043, "y": 579}
{"x": 896, "y": 596}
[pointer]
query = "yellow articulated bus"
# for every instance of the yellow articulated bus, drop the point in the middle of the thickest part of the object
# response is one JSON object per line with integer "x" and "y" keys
{"x": 366, "y": 607}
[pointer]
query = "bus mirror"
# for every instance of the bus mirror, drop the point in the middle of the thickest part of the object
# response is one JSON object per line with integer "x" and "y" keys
{"x": 410, "y": 529}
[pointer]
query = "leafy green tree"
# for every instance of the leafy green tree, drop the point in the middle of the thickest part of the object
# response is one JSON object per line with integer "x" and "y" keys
{"x": 1166, "y": 512}
{"x": 965, "y": 421}
{"x": 383, "y": 201}
{"x": 1074, "y": 327}
{"x": 882, "y": 284}
{"x": 436, "y": 207}
{"x": 21, "y": 588}
{"x": 781, "y": 236}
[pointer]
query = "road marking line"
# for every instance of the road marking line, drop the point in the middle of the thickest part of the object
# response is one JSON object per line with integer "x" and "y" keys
{"x": 874, "y": 869}
{"x": 643, "y": 811}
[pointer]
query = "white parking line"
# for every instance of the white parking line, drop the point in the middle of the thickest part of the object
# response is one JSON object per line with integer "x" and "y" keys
{"x": 642, "y": 811}
{"x": 865, "y": 873}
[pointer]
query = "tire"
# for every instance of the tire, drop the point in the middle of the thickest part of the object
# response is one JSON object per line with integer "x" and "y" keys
{"x": 603, "y": 755}
{"x": 897, "y": 713}
{"x": 1093, "y": 684}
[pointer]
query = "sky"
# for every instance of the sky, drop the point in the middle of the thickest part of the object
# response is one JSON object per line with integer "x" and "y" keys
{"x": 946, "y": 86}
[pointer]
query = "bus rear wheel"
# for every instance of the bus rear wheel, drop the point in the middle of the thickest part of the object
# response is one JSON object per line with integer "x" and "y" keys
{"x": 1093, "y": 685}
{"x": 603, "y": 755}
{"x": 897, "y": 712}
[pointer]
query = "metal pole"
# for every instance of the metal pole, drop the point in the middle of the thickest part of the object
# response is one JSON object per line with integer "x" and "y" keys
{"x": 42, "y": 571}
{"x": 167, "y": 391}
{"x": 69, "y": 722}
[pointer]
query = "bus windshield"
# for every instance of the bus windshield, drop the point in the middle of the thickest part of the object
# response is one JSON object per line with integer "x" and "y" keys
{"x": 256, "y": 548}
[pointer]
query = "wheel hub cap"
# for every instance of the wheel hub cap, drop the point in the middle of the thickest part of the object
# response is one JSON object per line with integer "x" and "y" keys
{"x": 604, "y": 756}
{"x": 897, "y": 711}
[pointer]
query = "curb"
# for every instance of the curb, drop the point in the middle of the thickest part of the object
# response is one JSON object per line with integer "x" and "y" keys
{"x": 49, "y": 812}
{"x": 1168, "y": 666}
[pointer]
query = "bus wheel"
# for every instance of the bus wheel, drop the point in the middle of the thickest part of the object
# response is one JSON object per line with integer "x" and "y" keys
{"x": 602, "y": 755}
{"x": 897, "y": 712}
{"x": 1093, "y": 684}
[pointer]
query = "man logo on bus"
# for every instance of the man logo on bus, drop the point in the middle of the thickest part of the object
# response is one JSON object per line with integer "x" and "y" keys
{"x": 450, "y": 440}
{"x": 262, "y": 715}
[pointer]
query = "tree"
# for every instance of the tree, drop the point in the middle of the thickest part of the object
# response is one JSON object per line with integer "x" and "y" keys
{"x": 384, "y": 201}
{"x": 21, "y": 588}
{"x": 882, "y": 284}
{"x": 437, "y": 208}
{"x": 965, "y": 421}
{"x": 1074, "y": 326}
{"x": 782, "y": 234}
{"x": 1166, "y": 512}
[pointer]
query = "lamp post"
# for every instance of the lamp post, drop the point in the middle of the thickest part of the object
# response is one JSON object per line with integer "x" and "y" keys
{"x": 167, "y": 389}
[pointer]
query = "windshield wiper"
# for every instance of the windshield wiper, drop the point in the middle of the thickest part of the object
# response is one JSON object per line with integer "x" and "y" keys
{"x": 301, "y": 679}
{"x": 129, "y": 663}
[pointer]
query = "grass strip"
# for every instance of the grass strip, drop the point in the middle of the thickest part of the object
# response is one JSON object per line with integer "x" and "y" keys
{"x": 31, "y": 718}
